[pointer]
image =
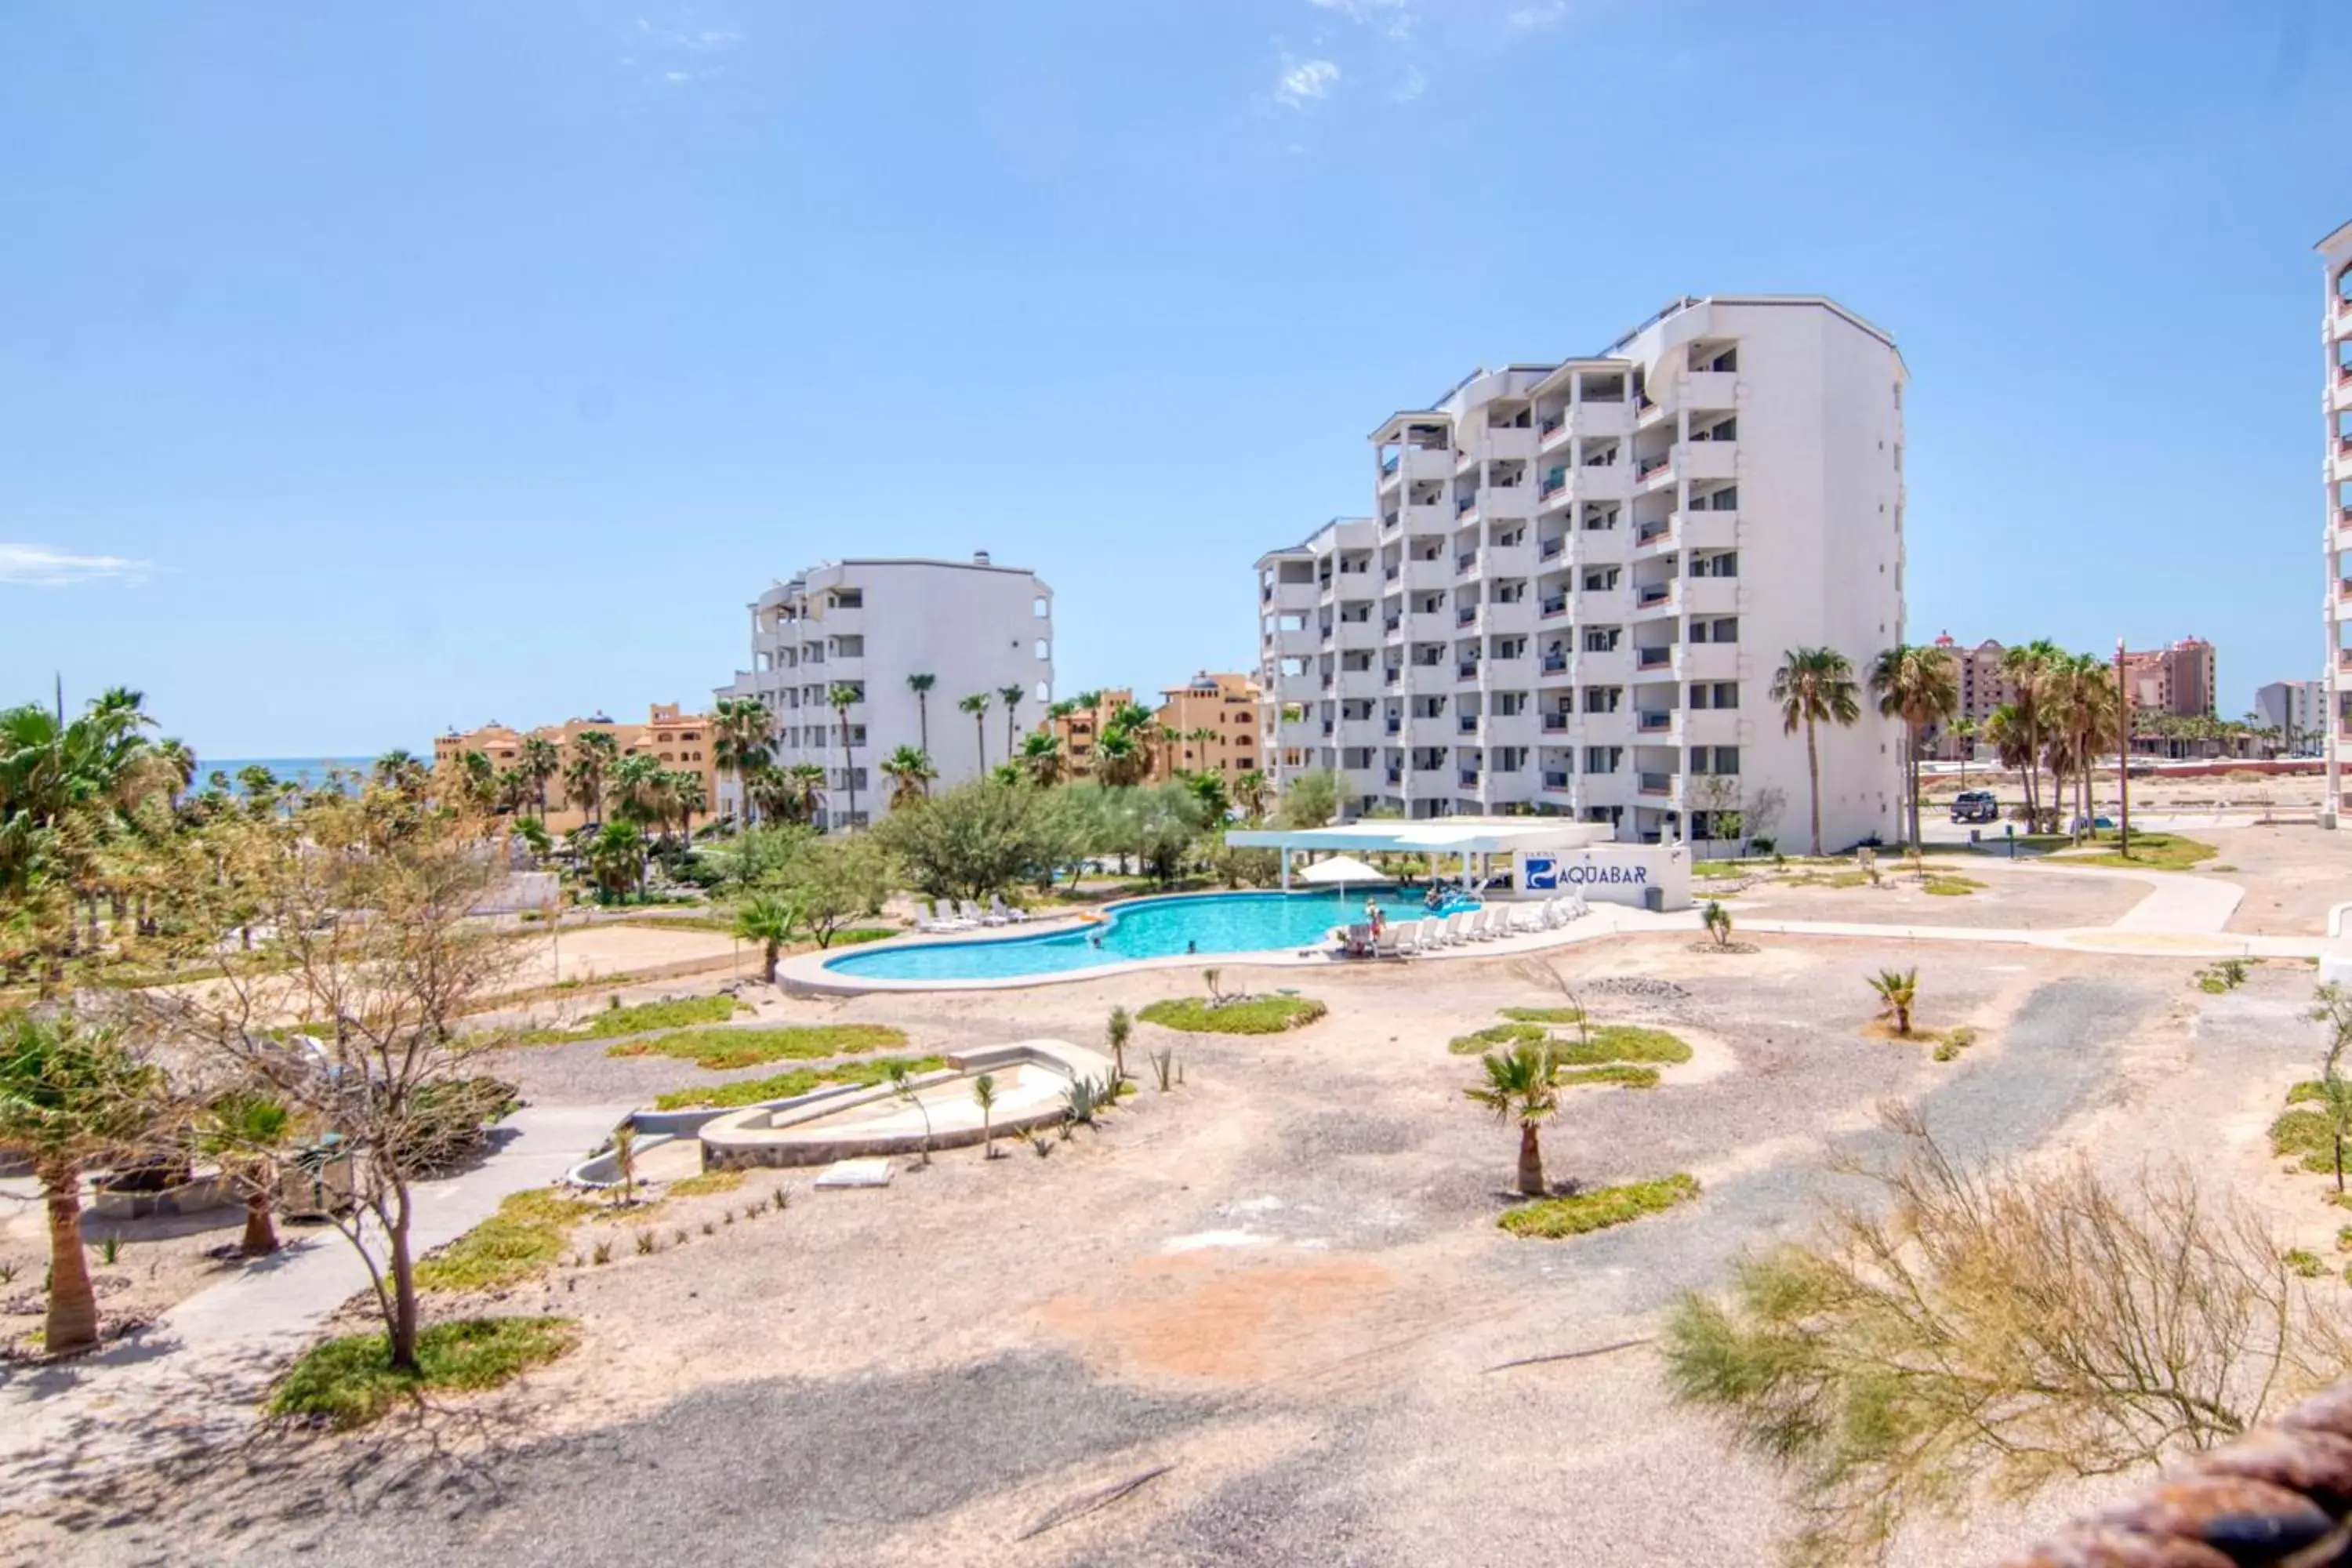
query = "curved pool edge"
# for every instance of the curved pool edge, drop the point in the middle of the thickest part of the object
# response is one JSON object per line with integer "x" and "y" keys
{"x": 804, "y": 975}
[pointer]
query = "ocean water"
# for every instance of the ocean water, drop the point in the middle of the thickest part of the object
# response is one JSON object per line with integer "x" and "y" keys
{"x": 308, "y": 772}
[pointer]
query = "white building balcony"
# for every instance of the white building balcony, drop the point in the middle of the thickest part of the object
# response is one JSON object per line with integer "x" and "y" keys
{"x": 1428, "y": 574}
{"x": 1429, "y": 626}
{"x": 1710, "y": 726}
{"x": 1510, "y": 560}
{"x": 1657, "y": 661}
{"x": 1602, "y": 481}
{"x": 1429, "y": 517}
{"x": 1708, "y": 661}
{"x": 1358, "y": 635}
{"x": 1507, "y": 442}
{"x": 1603, "y": 546}
{"x": 1706, "y": 460}
{"x": 1301, "y": 642}
{"x": 1702, "y": 529}
{"x": 1711, "y": 595}
{"x": 1506, "y": 616}
{"x": 1657, "y": 536}
{"x": 1288, "y": 596}
{"x": 1700, "y": 389}
{"x": 1518, "y": 730}
{"x": 1509, "y": 502}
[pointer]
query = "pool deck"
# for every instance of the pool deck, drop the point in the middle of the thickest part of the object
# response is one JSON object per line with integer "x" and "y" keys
{"x": 2181, "y": 917}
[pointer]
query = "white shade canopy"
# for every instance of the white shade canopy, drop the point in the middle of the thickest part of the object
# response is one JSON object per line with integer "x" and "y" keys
{"x": 1341, "y": 869}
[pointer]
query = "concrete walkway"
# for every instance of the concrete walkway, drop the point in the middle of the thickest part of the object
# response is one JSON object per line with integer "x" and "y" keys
{"x": 196, "y": 1378}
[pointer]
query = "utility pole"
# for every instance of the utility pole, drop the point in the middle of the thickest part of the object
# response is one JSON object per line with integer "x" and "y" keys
{"x": 2123, "y": 753}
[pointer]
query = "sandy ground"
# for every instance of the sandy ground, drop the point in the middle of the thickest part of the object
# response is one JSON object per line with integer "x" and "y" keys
{"x": 2293, "y": 874}
{"x": 158, "y": 1260}
{"x": 1277, "y": 1293}
{"x": 2013, "y": 894}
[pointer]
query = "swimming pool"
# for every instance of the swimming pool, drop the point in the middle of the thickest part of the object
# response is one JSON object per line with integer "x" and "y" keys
{"x": 1206, "y": 924}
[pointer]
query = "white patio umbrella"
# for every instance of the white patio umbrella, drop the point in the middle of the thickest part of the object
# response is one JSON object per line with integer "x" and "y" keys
{"x": 1339, "y": 871}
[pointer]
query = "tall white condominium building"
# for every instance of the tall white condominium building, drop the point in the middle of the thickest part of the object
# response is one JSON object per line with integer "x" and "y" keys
{"x": 1580, "y": 578}
{"x": 2335, "y": 531}
{"x": 975, "y": 628}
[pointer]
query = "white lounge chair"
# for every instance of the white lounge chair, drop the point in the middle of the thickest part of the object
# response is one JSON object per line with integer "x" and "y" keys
{"x": 1428, "y": 934}
{"x": 944, "y": 917}
{"x": 1006, "y": 914}
{"x": 978, "y": 916}
{"x": 1389, "y": 942}
{"x": 1449, "y": 930}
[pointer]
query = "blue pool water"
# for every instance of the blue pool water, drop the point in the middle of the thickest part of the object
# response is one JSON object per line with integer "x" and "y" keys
{"x": 1208, "y": 924}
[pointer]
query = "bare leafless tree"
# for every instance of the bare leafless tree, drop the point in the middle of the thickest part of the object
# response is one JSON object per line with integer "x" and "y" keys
{"x": 351, "y": 1013}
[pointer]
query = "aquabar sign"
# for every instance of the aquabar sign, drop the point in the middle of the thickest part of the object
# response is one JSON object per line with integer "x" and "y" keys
{"x": 1544, "y": 874}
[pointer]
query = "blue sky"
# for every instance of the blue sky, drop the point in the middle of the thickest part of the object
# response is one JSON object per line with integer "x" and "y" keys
{"x": 365, "y": 369}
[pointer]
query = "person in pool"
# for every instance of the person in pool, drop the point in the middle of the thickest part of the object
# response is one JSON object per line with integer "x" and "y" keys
{"x": 1373, "y": 914}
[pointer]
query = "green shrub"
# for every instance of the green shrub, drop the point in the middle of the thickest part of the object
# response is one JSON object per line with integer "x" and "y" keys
{"x": 719, "y": 1049}
{"x": 1497, "y": 1037}
{"x": 800, "y": 1081}
{"x": 1624, "y": 1042}
{"x": 1616, "y": 1073}
{"x": 2306, "y": 1263}
{"x": 350, "y": 1382}
{"x": 523, "y": 1239}
{"x": 1251, "y": 1016}
{"x": 1544, "y": 1015}
{"x": 707, "y": 1182}
{"x": 1946, "y": 885}
{"x": 675, "y": 1014}
{"x": 2303, "y": 1136}
{"x": 1598, "y": 1209}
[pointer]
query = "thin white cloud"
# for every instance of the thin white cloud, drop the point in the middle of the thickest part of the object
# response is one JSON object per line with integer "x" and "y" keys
{"x": 1306, "y": 83}
{"x": 1414, "y": 84}
{"x": 47, "y": 566}
{"x": 1394, "y": 17}
{"x": 1543, "y": 15}
{"x": 696, "y": 40}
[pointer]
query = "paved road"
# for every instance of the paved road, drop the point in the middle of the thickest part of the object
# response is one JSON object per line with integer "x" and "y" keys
{"x": 196, "y": 1377}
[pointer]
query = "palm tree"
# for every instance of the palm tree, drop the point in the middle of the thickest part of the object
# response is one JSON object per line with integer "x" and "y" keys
{"x": 71, "y": 1098}
{"x": 688, "y": 798}
{"x": 977, "y": 706}
{"x": 1251, "y": 792}
{"x": 1897, "y": 989}
{"x": 510, "y": 791}
{"x": 2007, "y": 733}
{"x": 795, "y": 794}
{"x": 639, "y": 790}
{"x": 176, "y": 766}
{"x": 1964, "y": 732}
{"x": 1040, "y": 757}
{"x": 1010, "y": 696}
{"x": 2028, "y": 669}
{"x": 842, "y": 698}
{"x": 1920, "y": 685}
{"x": 538, "y": 762}
{"x": 399, "y": 770}
{"x": 1120, "y": 760}
{"x": 248, "y": 1133}
{"x": 921, "y": 685}
{"x": 1523, "y": 1086}
{"x": 1815, "y": 685}
{"x": 910, "y": 775}
{"x": 769, "y": 921}
{"x": 983, "y": 1094}
{"x": 593, "y": 752}
{"x": 740, "y": 732}
{"x": 617, "y": 858}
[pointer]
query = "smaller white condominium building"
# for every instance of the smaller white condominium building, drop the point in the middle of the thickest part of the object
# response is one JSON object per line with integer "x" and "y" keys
{"x": 1579, "y": 578}
{"x": 2335, "y": 526}
{"x": 974, "y": 627}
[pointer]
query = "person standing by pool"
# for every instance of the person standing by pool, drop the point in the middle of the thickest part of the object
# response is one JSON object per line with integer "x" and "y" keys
{"x": 1373, "y": 914}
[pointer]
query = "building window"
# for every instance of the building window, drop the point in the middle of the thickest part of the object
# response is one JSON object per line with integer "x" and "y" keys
{"x": 1044, "y": 693}
{"x": 1040, "y": 607}
{"x": 1044, "y": 651}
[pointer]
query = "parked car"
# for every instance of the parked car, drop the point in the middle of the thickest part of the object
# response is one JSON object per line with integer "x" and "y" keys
{"x": 1975, "y": 806}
